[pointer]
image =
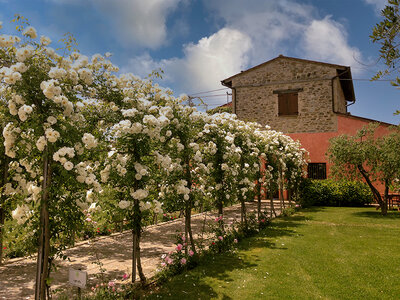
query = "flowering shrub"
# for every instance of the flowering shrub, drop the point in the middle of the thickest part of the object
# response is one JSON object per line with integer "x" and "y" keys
{"x": 224, "y": 238}
{"x": 174, "y": 262}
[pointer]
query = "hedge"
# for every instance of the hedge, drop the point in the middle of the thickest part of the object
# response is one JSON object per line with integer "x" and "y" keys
{"x": 334, "y": 193}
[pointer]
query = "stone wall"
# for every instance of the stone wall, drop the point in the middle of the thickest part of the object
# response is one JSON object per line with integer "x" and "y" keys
{"x": 255, "y": 100}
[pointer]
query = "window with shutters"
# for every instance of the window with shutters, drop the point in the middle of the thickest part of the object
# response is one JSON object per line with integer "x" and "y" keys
{"x": 316, "y": 170}
{"x": 288, "y": 104}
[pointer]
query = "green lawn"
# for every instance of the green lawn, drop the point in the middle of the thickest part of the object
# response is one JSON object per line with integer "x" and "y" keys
{"x": 319, "y": 253}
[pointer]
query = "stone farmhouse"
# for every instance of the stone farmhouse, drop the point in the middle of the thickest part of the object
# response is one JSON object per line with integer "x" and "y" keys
{"x": 305, "y": 99}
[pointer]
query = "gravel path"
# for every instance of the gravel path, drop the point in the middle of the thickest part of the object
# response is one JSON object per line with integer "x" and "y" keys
{"x": 17, "y": 276}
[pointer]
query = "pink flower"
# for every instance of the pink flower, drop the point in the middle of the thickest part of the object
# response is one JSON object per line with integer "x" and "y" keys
{"x": 179, "y": 247}
{"x": 169, "y": 260}
{"x": 235, "y": 241}
{"x": 191, "y": 253}
{"x": 126, "y": 276}
{"x": 183, "y": 261}
{"x": 88, "y": 220}
{"x": 163, "y": 264}
{"x": 111, "y": 284}
{"x": 220, "y": 238}
{"x": 218, "y": 219}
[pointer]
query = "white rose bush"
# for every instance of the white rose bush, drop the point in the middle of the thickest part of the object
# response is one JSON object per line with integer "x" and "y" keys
{"x": 46, "y": 139}
{"x": 182, "y": 161}
{"x": 72, "y": 128}
{"x": 130, "y": 163}
{"x": 4, "y": 174}
{"x": 221, "y": 159}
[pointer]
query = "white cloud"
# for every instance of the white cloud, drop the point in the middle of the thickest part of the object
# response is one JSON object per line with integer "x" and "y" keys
{"x": 204, "y": 64}
{"x": 287, "y": 27}
{"x": 379, "y": 4}
{"x": 274, "y": 26}
{"x": 326, "y": 40}
{"x": 138, "y": 21}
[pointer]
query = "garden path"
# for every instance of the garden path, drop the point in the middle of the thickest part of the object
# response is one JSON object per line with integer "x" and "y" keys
{"x": 17, "y": 276}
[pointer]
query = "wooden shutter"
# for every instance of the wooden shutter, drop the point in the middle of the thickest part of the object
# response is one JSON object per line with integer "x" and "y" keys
{"x": 292, "y": 104}
{"x": 283, "y": 104}
{"x": 288, "y": 104}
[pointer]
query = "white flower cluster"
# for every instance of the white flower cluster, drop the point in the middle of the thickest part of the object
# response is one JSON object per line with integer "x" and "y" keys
{"x": 61, "y": 154}
{"x": 182, "y": 189}
{"x": 9, "y": 76}
{"x": 57, "y": 73}
{"x": 139, "y": 194}
{"x": 123, "y": 204}
{"x": 24, "y": 111}
{"x": 86, "y": 175}
{"x": 86, "y": 76}
{"x": 89, "y": 141}
{"x": 31, "y": 32}
{"x": 65, "y": 103}
{"x": 45, "y": 41}
{"x": 10, "y": 134}
{"x": 140, "y": 171}
{"x": 105, "y": 174}
{"x": 129, "y": 112}
{"x": 24, "y": 53}
{"x": 20, "y": 213}
{"x": 157, "y": 207}
{"x": 50, "y": 88}
{"x": 51, "y": 135}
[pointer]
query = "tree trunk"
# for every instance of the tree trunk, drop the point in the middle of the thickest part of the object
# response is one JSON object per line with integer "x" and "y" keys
{"x": 139, "y": 264}
{"x": 136, "y": 233}
{"x": 188, "y": 229}
{"x": 188, "y": 209}
{"x": 243, "y": 217}
{"x": 220, "y": 207}
{"x": 134, "y": 254}
{"x": 272, "y": 208}
{"x": 384, "y": 206}
{"x": 375, "y": 192}
{"x": 2, "y": 204}
{"x": 258, "y": 205}
{"x": 281, "y": 198}
{"x": 42, "y": 269}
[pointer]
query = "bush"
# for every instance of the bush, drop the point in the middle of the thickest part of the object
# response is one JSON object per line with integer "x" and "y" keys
{"x": 334, "y": 193}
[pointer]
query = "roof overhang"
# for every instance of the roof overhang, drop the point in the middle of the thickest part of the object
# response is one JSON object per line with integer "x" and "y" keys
{"x": 346, "y": 82}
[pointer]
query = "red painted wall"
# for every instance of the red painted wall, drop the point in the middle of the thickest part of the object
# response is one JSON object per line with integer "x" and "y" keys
{"x": 317, "y": 144}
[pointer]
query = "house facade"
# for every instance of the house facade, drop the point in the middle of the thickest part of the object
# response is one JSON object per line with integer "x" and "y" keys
{"x": 305, "y": 99}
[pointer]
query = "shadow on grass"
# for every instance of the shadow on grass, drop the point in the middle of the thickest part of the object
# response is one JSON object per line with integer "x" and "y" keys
{"x": 377, "y": 214}
{"x": 191, "y": 284}
{"x": 195, "y": 284}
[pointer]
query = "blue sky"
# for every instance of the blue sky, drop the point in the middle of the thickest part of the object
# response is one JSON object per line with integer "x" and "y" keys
{"x": 200, "y": 42}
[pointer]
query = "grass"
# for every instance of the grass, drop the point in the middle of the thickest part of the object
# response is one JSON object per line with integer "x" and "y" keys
{"x": 318, "y": 253}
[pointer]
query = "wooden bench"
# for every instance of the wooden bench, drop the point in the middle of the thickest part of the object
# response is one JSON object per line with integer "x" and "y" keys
{"x": 394, "y": 200}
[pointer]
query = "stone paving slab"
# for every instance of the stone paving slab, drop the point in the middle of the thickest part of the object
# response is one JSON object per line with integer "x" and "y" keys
{"x": 17, "y": 276}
